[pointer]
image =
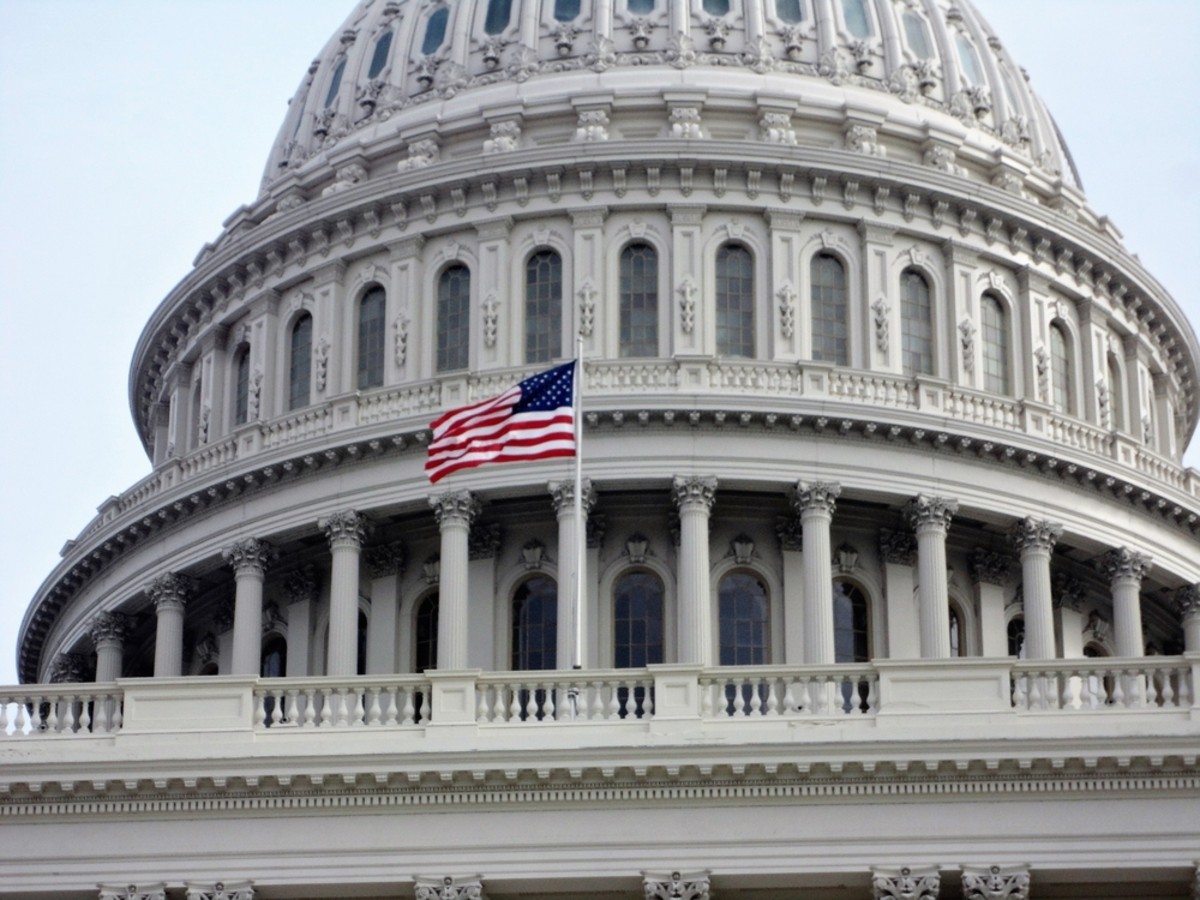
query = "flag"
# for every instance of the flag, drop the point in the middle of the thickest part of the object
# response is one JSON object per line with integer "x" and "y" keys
{"x": 532, "y": 420}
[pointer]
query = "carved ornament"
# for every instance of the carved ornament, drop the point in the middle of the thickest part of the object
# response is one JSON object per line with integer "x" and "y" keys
{"x": 995, "y": 883}
{"x": 172, "y": 590}
{"x": 1122, "y": 563}
{"x": 483, "y": 541}
{"x": 385, "y": 559}
{"x": 906, "y": 884}
{"x": 563, "y": 495}
{"x": 109, "y": 628}
{"x": 925, "y": 511}
{"x": 1187, "y": 598}
{"x": 677, "y": 886}
{"x": 347, "y": 528}
{"x": 897, "y": 547}
{"x": 819, "y": 497}
{"x": 694, "y": 492}
{"x": 449, "y": 889}
{"x": 454, "y": 507}
{"x": 988, "y": 567}
{"x": 300, "y": 585}
{"x": 790, "y": 533}
{"x": 1035, "y": 534}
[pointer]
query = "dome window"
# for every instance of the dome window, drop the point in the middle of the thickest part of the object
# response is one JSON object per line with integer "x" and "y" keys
{"x": 453, "y": 319}
{"x": 970, "y": 62}
{"x": 639, "y": 301}
{"x": 498, "y": 14}
{"x": 425, "y": 652}
{"x": 566, "y": 10}
{"x": 435, "y": 30}
{"x": 735, "y": 301}
{"x": 370, "y": 339}
{"x": 543, "y": 307}
{"x": 789, "y": 11}
{"x": 744, "y": 620}
{"x": 1060, "y": 370}
{"x": 914, "y": 33}
{"x": 334, "y": 84}
{"x": 916, "y": 324}
{"x": 300, "y": 369}
{"x": 535, "y": 625}
{"x": 637, "y": 620}
{"x": 640, "y": 7}
{"x": 716, "y": 7}
{"x": 858, "y": 20}
{"x": 241, "y": 385}
{"x": 380, "y": 57}
{"x": 830, "y": 335}
{"x": 995, "y": 346}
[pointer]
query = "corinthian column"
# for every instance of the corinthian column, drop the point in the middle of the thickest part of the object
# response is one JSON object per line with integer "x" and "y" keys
{"x": 1035, "y": 540}
{"x": 454, "y": 511}
{"x": 249, "y": 559}
{"x": 930, "y": 518}
{"x": 694, "y": 496}
{"x": 170, "y": 594}
{"x": 1188, "y": 599}
{"x": 1125, "y": 569}
{"x": 816, "y": 504}
{"x": 345, "y": 531}
{"x": 108, "y": 631}
{"x": 563, "y": 494}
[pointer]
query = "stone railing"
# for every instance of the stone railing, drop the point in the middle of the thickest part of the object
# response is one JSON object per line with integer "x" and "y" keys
{"x": 867, "y": 693}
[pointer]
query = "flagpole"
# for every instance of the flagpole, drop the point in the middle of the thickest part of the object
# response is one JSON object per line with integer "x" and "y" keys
{"x": 580, "y": 527}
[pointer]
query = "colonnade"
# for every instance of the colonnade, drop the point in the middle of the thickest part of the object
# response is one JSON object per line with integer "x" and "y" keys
{"x": 814, "y": 504}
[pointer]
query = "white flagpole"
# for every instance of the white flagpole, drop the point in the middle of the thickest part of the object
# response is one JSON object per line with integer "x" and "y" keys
{"x": 580, "y": 527}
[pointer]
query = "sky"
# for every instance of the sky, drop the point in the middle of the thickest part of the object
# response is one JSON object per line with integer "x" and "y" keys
{"x": 130, "y": 129}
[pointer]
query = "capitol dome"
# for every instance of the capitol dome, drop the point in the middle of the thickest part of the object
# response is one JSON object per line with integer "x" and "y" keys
{"x": 882, "y": 431}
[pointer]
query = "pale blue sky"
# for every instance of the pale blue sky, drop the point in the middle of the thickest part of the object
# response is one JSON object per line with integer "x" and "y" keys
{"x": 129, "y": 129}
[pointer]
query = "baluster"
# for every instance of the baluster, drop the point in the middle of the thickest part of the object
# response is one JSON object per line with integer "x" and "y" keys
{"x": 291, "y": 709}
{"x": 4, "y": 717}
{"x": 870, "y": 701}
{"x": 1088, "y": 698}
{"x": 1118, "y": 691}
{"x": 548, "y": 693}
{"x": 772, "y": 704}
{"x": 820, "y": 689}
{"x": 391, "y": 712}
{"x": 117, "y": 718}
{"x": 706, "y": 699}
{"x": 614, "y": 700}
{"x": 425, "y": 694}
{"x": 277, "y": 708}
{"x": 789, "y": 697}
{"x": 1037, "y": 699}
{"x": 360, "y": 714}
{"x": 375, "y": 713}
{"x": 50, "y": 723}
{"x": 24, "y": 722}
{"x": 648, "y": 701}
{"x": 755, "y": 699}
{"x": 803, "y": 698}
{"x": 739, "y": 701}
{"x": 1167, "y": 694}
{"x": 514, "y": 703}
{"x": 1020, "y": 692}
{"x": 409, "y": 711}
{"x": 596, "y": 701}
{"x": 531, "y": 704}
{"x": 1185, "y": 688}
{"x": 85, "y": 717}
{"x": 310, "y": 708}
{"x": 483, "y": 709}
{"x": 326, "y": 708}
{"x": 1066, "y": 698}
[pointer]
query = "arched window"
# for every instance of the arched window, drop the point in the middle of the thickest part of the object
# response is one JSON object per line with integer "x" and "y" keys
{"x": 300, "y": 363}
{"x": 498, "y": 14}
{"x": 335, "y": 83}
{"x": 535, "y": 625}
{"x": 1016, "y": 637}
{"x": 566, "y": 10}
{"x": 640, "y": 7}
{"x": 916, "y": 324}
{"x": 380, "y": 55}
{"x": 858, "y": 21}
{"x": 916, "y": 36}
{"x": 639, "y": 301}
{"x": 1116, "y": 393}
{"x": 851, "y": 642}
{"x": 1060, "y": 370}
{"x": 637, "y": 620}
{"x": 425, "y": 651}
{"x": 435, "y": 30}
{"x": 995, "y": 345}
{"x": 958, "y": 645}
{"x": 453, "y": 318}
{"x": 790, "y": 11}
{"x": 744, "y": 616}
{"x": 361, "y": 658}
{"x": 197, "y": 420}
{"x": 970, "y": 62}
{"x": 241, "y": 384}
{"x": 274, "y": 657}
{"x": 830, "y": 334}
{"x": 716, "y": 7}
{"x": 735, "y": 301}
{"x": 543, "y": 307}
{"x": 370, "y": 339}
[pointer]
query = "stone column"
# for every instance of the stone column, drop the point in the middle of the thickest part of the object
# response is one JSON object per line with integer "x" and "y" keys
{"x": 791, "y": 548}
{"x": 694, "y": 496}
{"x": 108, "y": 631}
{"x": 1188, "y": 599}
{"x": 990, "y": 573}
{"x": 454, "y": 511}
{"x": 345, "y": 532}
{"x": 1035, "y": 540}
{"x": 385, "y": 565}
{"x": 816, "y": 504}
{"x": 1125, "y": 569}
{"x": 898, "y": 551}
{"x": 563, "y": 493}
{"x": 930, "y": 518}
{"x": 170, "y": 594}
{"x": 249, "y": 559}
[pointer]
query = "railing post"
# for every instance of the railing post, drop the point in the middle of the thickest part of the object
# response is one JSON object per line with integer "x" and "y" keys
{"x": 676, "y": 692}
{"x": 453, "y": 702}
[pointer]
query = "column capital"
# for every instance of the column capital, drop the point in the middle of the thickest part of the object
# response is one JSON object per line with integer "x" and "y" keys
{"x": 790, "y": 531}
{"x": 348, "y": 528}
{"x": 386, "y": 559}
{"x": 818, "y": 497}
{"x": 483, "y": 541}
{"x": 925, "y": 511}
{"x": 897, "y": 547}
{"x": 906, "y": 884}
{"x": 171, "y": 590}
{"x": 1187, "y": 598}
{"x": 676, "y": 886}
{"x": 1124, "y": 563}
{"x": 221, "y": 891}
{"x": 134, "y": 892}
{"x": 109, "y": 628}
{"x": 455, "y": 507}
{"x": 449, "y": 888}
{"x": 300, "y": 584}
{"x": 1068, "y": 592}
{"x": 563, "y": 495}
{"x": 249, "y": 556}
{"x": 68, "y": 668}
{"x": 995, "y": 883}
{"x": 1035, "y": 534}
{"x": 989, "y": 567}
{"x": 694, "y": 492}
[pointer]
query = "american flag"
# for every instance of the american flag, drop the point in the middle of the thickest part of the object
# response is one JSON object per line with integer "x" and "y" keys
{"x": 532, "y": 420}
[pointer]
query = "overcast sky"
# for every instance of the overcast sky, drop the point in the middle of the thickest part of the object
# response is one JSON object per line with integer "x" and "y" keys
{"x": 130, "y": 129}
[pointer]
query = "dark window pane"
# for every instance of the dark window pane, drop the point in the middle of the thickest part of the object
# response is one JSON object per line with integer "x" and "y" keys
{"x": 370, "y": 339}
{"x": 498, "y": 14}
{"x": 995, "y": 346}
{"x": 830, "y": 334}
{"x": 535, "y": 625}
{"x": 334, "y": 84}
{"x": 744, "y": 611}
{"x": 543, "y": 307}
{"x": 790, "y": 11}
{"x": 858, "y": 21}
{"x": 639, "y": 301}
{"x": 566, "y": 10}
{"x": 916, "y": 321}
{"x": 435, "y": 30}
{"x": 637, "y": 620}
{"x": 716, "y": 7}
{"x": 735, "y": 301}
{"x": 241, "y": 389}
{"x": 453, "y": 319}
{"x": 850, "y": 642}
{"x": 425, "y": 656}
{"x": 300, "y": 371}
{"x": 380, "y": 56}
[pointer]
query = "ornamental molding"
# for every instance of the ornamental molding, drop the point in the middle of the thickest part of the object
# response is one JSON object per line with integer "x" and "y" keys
{"x": 881, "y": 320}
{"x": 533, "y": 555}
{"x": 790, "y": 532}
{"x": 676, "y": 886}
{"x": 431, "y": 569}
{"x": 220, "y": 891}
{"x": 1122, "y": 563}
{"x": 687, "y": 291}
{"x": 1067, "y": 592}
{"x": 384, "y": 560}
{"x": 995, "y": 883}
{"x": 300, "y": 585}
{"x": 134, "y": 892}
{"x": 787, "y": 310}
{"x": 483, "y": 541}
{"x": 69, "y": 668}
{"x": 988, "y": 567}
{"x": 742, "y": 550}
{"x": 897, "y": 547}
{"x": 449, "y": 888}
{"x": 906, "y": 884}
{"x": 637, "y": 548}
{"x": 1187, "y": 599}
{"x": 249, "y": 556}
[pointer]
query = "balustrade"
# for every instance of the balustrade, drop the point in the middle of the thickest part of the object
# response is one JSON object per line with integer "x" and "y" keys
{"x": 1103, "y": 684}
{"x": 341, "y": 702}
{"x": 50, "y": 710}
{"x": 838, "y": 690}
{"x": 542, "y": 697}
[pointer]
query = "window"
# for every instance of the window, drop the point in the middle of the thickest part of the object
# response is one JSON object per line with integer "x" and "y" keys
{"x": 334, "y": 83}
{"x": 858, "y": 21}
{"x": 829, "y": 330}
{"x": 640, "y": 7}
{"x": 637, "y": 620}
{"x": 435, "y": 30}
{"x": 197, "y": 422}
{"x": 300, "y": 367}
{"x": 957, "y": 644}
{"x": 639, "y": 301}
{"x": 274, "y": 657}
{"x": 1116, "y": 389}
{"x": 744, "y": 613}
{"x": 543, "y": 307}
{"x": 735, "y": 301}
{"x": 995, "y": 346}
{"x": 566, "y": 10}
{"x": 361, "y": 657}
{"x": 1016, "y": 637}
{"x": 716, "y": 7}
{"x": 789, "y": 11}
{"x": 370, "y": 339}
{"x": 498, "y": 14}
{"x": 453, "y": 318}
{"x": 535, "y": 625}
{"x": 241, "y": 384}
{"x": 916, "y": 324}
{"x": 850, "y": 636}
{"x": 970, "y": 62}
{"x": 915, "y": 34}
{"x": 425, "y": 651}
{"x": 1062, "y": 395}
{"x": 380, "y": 56}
